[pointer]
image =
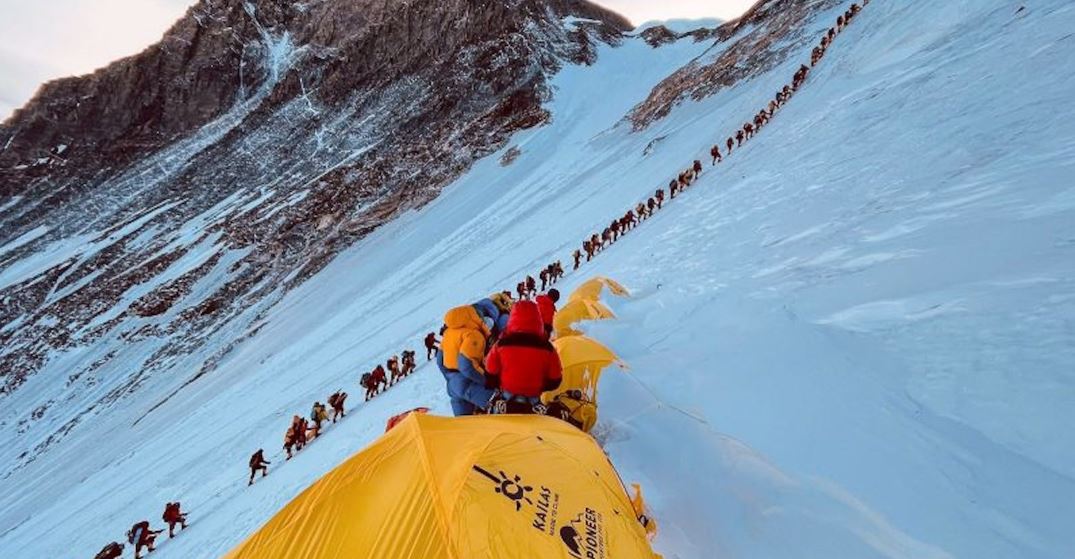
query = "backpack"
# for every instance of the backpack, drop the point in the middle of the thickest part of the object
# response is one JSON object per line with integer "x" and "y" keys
{"x": 170, "y": 511}
{"x": 136, "y": 532}
{"x": 110, "y": 551}
{"x": 576, "y": 411}
{"x": 502, "y": 406}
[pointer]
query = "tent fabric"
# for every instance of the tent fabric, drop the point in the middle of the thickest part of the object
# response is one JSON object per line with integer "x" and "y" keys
{"x": 583, "y": 359}
{"x": 398, "y": 418}
{"x": 578, "y": 310}
{"x": 583, "y": 350}
{"x": 505, "y": 487}
{"x": 590, "y": 290}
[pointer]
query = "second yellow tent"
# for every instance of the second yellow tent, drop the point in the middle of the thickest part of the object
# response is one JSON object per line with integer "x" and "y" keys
{"x": 576, "y": 311}
{"x": 583, "y": 358}
{"x": 590, "y": 289}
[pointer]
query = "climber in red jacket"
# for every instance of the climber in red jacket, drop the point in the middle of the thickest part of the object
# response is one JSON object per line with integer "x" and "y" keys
{"x": 257, "y": 462}
{"x": 523, "y": 362}
{"x": 173, "y": 515}
{"x": 431, "y": 346}
{"x": 141, "y": 535}
{"x": 547, "y": 307}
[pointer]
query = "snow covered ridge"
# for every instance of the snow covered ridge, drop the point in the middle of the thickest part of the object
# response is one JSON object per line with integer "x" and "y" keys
{"x": 761, "y": 40}
{"x": 680, "y": 26}
{"x": 852, "y": 340}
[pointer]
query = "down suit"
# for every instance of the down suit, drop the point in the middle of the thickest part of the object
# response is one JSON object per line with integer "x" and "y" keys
{"x": 462, "y": 350}
{"x": 523, "y": 362}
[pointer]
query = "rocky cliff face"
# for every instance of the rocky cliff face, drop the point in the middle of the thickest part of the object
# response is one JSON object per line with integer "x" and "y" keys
{"x": 746, "y": 47}
{"x": 175, "y": 195}
{"x": 227, "y": 51}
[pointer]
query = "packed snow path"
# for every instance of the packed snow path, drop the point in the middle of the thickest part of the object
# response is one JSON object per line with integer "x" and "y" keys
{"x": 854, "y": 341}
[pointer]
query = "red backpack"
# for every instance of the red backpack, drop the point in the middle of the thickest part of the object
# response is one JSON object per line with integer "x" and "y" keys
{"x": 171, "y": 512}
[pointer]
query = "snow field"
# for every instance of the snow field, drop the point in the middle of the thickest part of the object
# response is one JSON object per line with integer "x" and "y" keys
{"x": 853, "y": 338}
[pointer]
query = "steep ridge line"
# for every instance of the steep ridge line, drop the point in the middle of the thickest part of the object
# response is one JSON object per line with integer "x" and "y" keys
{"x": 643, "y": 210}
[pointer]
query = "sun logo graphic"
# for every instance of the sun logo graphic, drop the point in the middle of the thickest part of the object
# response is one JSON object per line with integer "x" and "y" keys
{"x": 511, "y": 487}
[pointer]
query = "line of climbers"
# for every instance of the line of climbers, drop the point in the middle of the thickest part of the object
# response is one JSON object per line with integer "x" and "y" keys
{"x": 495, "y": 354}
{"x": 302, "y": 432}
{"x": 528, "y": 287}
{"x": 643, "y": 210}
{"x": 142, "y": 536}
{"x": 841, "y": 22}
{"x": 379, "y": 379}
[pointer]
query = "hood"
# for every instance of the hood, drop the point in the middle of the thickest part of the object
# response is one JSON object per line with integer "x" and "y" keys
{"x": 465, "y": 318}
{"x": 525, "y": 319}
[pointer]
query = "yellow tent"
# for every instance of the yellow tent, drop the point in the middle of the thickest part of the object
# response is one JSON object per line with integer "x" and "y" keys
{"x": 583, "y": 358}
{"x": 590, "y": 290}
{"x": 577, "y": 310}
{"x": 496, "y": 487}
{"x": 583, "y": 350}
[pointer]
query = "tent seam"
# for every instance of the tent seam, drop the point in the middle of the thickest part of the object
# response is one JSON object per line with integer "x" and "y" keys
{"x": 438, "y": 501}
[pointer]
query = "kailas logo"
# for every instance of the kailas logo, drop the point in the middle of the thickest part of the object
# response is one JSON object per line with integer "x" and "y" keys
{"x": 546, "y": 511}
{"x": 511, "y": 487}
{"x": 543, "y": 507}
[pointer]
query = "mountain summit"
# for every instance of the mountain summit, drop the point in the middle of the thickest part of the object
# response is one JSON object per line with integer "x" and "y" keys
{"x": 229, "y": 54}
{"x": 199, "y": 180}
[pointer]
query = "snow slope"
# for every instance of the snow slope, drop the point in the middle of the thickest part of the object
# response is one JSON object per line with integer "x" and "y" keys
{"x": 854, "y": 338}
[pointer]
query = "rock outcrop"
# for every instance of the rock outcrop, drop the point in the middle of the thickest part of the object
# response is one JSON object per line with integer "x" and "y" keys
{"x": 749, "y": 46}
{"x": 175, "y": 195}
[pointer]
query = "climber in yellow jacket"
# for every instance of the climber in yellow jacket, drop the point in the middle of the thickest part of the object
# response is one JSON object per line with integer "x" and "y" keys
{"x": 462, "y": 350}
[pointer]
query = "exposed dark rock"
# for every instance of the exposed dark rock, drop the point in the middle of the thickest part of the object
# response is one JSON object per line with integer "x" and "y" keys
{"x": 751, "y": 45}
{"x": 659, "y": 35}
{"x": 510, "y": 156}
{"x": 187, "y": 188}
